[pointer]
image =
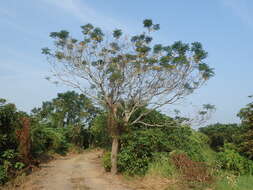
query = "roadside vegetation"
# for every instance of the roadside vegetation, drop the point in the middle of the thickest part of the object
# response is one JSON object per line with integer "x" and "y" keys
{"x": 216, "y": 156}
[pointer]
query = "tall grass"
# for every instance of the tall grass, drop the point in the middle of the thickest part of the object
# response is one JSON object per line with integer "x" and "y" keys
{"x": 161, "y": 166}
{"x": 238, "y": 183}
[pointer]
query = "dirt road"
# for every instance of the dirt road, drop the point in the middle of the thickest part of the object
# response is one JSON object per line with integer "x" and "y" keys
{"x": 79, "y": 172}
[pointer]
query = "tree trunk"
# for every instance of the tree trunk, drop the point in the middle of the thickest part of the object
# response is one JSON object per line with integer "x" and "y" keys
{"x": 114, "y": 131}
{"x": 114, "y": 155}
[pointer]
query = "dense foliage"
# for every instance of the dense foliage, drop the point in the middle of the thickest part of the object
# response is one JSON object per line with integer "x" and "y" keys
{"x": 219, "y": 134}
{"x": 230, "y": 159}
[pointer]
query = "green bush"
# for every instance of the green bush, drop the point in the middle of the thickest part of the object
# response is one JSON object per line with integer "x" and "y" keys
{"x": 230, "y": 159}
{"x": 107, "y": 161}
{"x": 46, "y": 139}
{"x": 9, "y": 164}
{"x": 185, "y": 139}
{"x": 99, "y": 131}
{"x": 133, "y": 163}
{"x": 137, "y": 150}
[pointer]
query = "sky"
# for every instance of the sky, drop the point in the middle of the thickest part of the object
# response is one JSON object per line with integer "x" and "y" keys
{"x": 224, "y": 27}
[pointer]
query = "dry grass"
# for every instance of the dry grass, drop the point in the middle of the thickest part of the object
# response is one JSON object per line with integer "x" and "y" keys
{"x": 192, "y": 171}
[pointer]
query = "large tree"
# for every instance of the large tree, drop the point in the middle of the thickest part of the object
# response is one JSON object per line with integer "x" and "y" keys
{"x": 123, "y": 74}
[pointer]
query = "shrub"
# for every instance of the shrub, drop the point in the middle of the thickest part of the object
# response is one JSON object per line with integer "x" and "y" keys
{"x": 133, "y": 163}
{"x": 46, "y": 138}
{"x": 230, "y": 159}
{"x": 9, "y": 164}
{"x": 99, "y": 131}
{"x": 107, "y": 161}
{"x": 185, "y": 139}
{"x": 137, "y": 149}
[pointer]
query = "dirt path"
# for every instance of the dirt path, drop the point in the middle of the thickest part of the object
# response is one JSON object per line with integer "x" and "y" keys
{"x": 79, "y": 172}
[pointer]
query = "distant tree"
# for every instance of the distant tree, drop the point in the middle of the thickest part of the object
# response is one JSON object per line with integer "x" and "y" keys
{"x": 69, "y": 108}
{"x": 219, "y": 134}
{"x": 246, "y": 115}
{"x": 124, "y": 74}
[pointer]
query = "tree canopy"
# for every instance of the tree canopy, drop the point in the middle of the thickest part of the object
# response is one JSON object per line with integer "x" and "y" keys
{"x": 128, "y": 71}
{"x": 123, "y": 74}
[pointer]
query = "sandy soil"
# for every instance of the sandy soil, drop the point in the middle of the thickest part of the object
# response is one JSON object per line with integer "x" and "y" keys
{"x": 79, "y": 172}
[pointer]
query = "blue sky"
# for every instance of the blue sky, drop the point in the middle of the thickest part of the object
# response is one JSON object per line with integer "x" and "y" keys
{"x": 224, "y": 27}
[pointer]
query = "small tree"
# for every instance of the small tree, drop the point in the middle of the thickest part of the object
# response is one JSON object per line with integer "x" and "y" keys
{"x": 124, "y": 74}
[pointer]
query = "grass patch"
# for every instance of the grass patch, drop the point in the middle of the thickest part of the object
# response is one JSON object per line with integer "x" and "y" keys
{"x": 162, "y": 166}
{"x": 235, "y": 183}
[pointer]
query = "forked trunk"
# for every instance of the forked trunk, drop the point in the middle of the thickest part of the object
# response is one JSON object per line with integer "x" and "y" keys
{"x": 114, "y": 155}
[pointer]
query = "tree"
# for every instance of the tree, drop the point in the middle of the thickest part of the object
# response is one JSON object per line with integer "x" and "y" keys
{"x": 246, "y": 115}
{"x": 219, "y": 134}
{"x": 123, "y": 74}
{"x": 66, "y": 109}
